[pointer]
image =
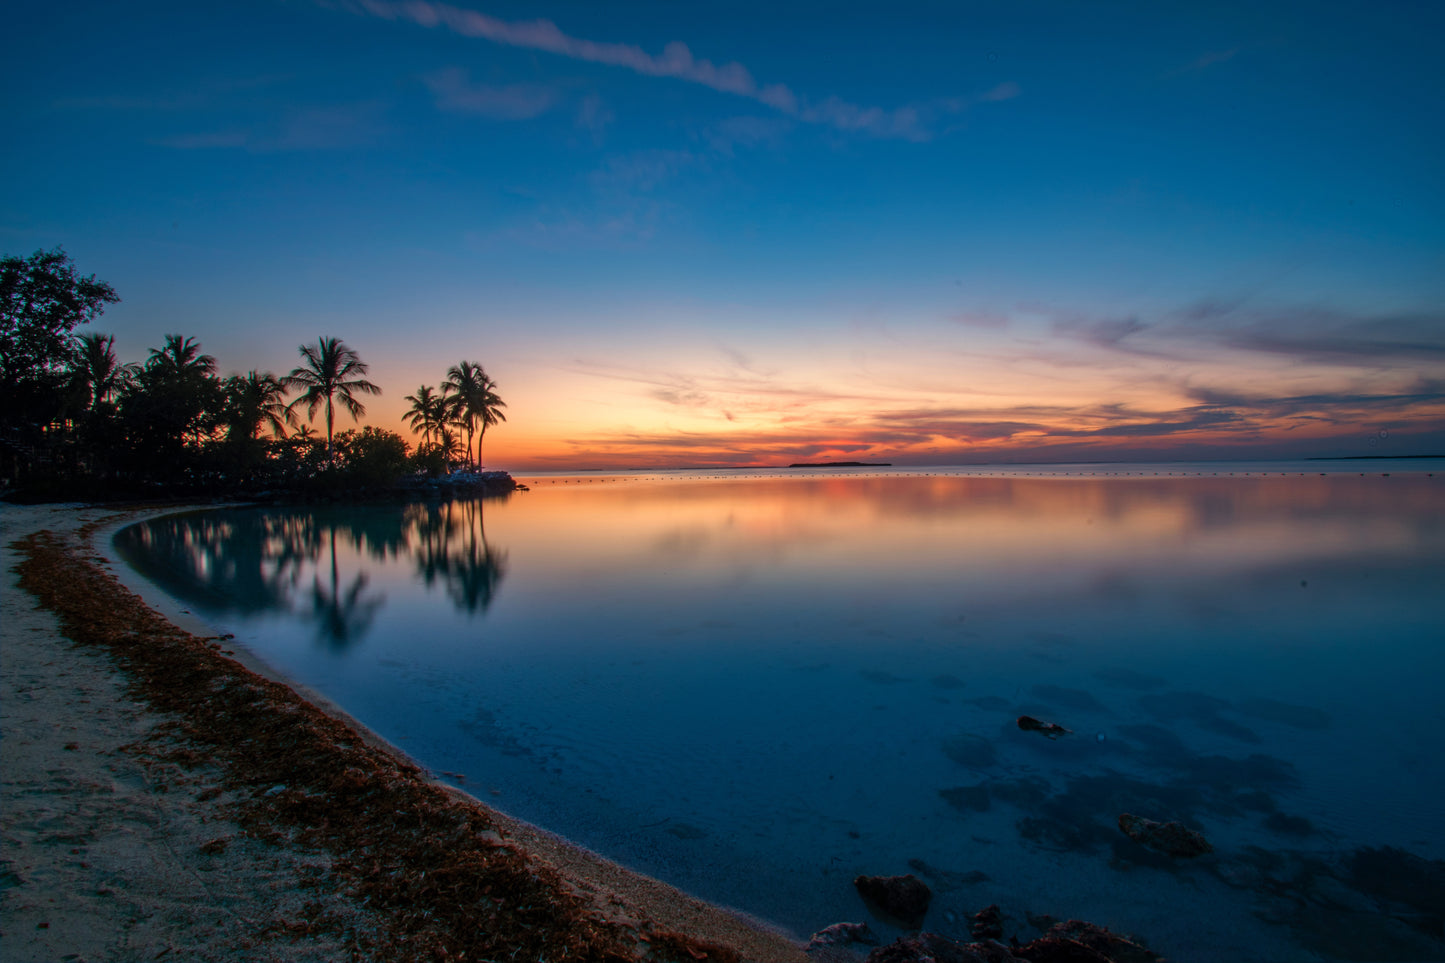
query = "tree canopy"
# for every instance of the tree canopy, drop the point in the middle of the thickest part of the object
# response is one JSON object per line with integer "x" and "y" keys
{"x": 77, "y": 422}
{"x": 42, "y": 299}
{"x": 331, "y": 371}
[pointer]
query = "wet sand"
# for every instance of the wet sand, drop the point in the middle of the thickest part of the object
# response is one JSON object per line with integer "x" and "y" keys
{"x": 111, "y": 850}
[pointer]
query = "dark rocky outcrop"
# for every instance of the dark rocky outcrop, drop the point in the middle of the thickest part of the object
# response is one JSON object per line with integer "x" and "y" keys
{"x": 1050, "y": 729}
{"x": 1055, "y": 949}
{"x": 1171, "y": 839}
{"x": 1072, "y": 942}
{"x": 842, "y": 933}
{"x": 987, "y": 923}
{"x": 1097, "y": 939}
{"x": 932, "y": 948}
{"x": 901, "y": 900}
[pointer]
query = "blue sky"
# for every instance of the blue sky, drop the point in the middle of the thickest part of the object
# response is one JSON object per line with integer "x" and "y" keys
{"x": 728, "y": 233}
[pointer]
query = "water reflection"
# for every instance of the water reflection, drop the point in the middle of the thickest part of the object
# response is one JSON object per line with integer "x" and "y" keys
{"x": 250, "y": 562}
{"x": 761, "y": 687}
{"x": 450, "y": 546}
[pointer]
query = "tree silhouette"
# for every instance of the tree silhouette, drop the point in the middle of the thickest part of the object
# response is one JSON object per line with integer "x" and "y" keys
{"x": 428, "y": 412}
{"x": 488, "y": 413}
{"x": 181, "y": 358}
{"x": 332, "y": 372}
{"x": 99, "y": 370}
{"x": 173, "y": 396}
{"x": 256, "y": 402}
{"x": 41, "y": 300}
{"x": 476, "y": 402}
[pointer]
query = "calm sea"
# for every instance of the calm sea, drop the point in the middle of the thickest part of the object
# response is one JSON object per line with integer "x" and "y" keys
{"x": 759, "y": 684}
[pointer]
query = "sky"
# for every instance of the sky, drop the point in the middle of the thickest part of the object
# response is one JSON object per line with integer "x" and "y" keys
{"x": 705, "y": 233}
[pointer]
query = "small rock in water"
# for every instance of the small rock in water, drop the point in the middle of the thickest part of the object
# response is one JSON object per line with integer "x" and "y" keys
{"x": 1171, "y": 839}
{"x": 1075, "y": 940}
{"x": 927, "y": 948}
{"x": 903, "y": 899}
{"x": 987, "y": 924}
{"x": 840, "y": 933}
{"x": 1050, "y": 729}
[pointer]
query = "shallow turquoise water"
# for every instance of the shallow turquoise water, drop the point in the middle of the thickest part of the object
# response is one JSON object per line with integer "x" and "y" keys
{"x": 758, "y": 685}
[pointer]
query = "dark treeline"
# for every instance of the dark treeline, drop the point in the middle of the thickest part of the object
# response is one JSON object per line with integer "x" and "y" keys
{"x": 75, "y": 422}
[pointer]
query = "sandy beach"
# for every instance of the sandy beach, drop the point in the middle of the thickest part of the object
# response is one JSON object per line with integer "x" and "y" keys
{"x": 128, "y": 835}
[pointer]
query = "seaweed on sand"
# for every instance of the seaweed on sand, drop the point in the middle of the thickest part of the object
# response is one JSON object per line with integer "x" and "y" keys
{"x": 431, "y": 865}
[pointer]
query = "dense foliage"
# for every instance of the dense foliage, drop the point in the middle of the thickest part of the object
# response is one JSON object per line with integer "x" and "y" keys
{"x": 75, "y": 422}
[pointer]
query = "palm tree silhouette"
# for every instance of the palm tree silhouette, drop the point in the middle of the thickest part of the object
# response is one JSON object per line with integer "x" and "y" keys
{"x": 181, "y": 357}
{"x": 427, "y": 413}
{"x": 255, "y": 402}
{"x": 488, "y": 412}
{"x": 99, "y": 369}
{"x": 332, "y": 372}
{"x": 182, "y": 383}
{"x": 476, "y": 401}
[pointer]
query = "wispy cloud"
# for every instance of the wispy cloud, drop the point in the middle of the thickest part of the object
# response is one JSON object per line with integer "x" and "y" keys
{"x": 1328, "y": 337}
{"x": 676, "y": 61}
{"x": 454, "y": 91}
{"x": 1308, "y": 335}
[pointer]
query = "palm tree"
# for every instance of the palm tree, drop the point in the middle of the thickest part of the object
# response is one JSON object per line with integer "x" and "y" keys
{"x": 488, "y": 412}
{"x": 255, "y": 402}
{"x": 183, "y": 393}
{"x": 475, "y": 399}
{"x": 427, "y": 412}
{"x": 332, "y": 371}
{"x": 98, "y": 368}
{"x": 463, "y": 384}
{"x": 181, "y": 356}
{"x": 447, "y": 445}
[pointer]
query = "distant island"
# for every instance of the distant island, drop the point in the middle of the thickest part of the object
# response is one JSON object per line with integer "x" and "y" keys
{"x": 843, "y": 464}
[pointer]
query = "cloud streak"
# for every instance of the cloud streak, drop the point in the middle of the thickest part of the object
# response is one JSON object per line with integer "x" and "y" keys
{"x": 455, "y": 92}
{"x": 676, "y": 61}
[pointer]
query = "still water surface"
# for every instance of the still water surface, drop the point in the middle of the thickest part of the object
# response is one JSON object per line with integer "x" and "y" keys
{"x": 757, "y": 685}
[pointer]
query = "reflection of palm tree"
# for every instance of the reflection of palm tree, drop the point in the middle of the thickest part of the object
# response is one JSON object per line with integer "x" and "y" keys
{"x": 450, "y": 545}
{"x": 476, "y": 569}
{"x": 240, "y": 562}
{"x": 342, "y": 618}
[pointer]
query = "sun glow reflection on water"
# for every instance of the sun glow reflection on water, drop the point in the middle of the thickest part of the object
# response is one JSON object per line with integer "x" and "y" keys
{"x": 758, "y": 685}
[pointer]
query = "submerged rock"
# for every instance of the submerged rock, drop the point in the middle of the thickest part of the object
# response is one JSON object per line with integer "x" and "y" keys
{"x": 900, "y": 899}
{"x": 840, "y": 933}
{"x": 1112, "y": 946}
{"x": 967, "y": 798}
{"x": 945, "y": 880}
{"x": 970, "y": 750}
{"x": 987, "y": 924}
{"x": 1171, "y": 839}
{"x": 1055, "y": 949}
{"x": 1050, "y": 729}
{"x": 932, "y": 948}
